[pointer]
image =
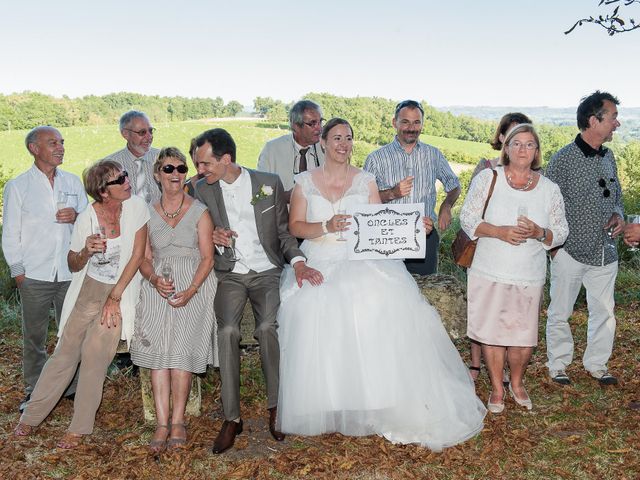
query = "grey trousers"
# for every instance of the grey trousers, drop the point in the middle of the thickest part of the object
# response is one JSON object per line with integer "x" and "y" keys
{"x": 83, "y": 338}
{"x": 263, "y": 291}
{"x": 36, "y": 297}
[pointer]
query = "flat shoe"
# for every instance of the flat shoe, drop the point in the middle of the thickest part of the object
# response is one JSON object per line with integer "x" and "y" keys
{"x": 495, "y": 407}
{"x": 523, "y": 403}
{"x": 71, "y": 440}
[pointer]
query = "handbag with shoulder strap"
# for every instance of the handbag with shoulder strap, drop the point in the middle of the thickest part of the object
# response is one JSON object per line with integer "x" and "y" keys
{"x": 463, "y": 248}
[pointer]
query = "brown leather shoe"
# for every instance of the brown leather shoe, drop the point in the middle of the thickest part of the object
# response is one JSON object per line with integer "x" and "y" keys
{"x": 278, "y": 436}
{"x": 226, "y": 437}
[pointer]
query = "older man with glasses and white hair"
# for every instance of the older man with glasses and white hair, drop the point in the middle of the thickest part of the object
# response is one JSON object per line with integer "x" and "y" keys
{"x": 297, "y": 151}
{"x": 406, "y": 171}
{"x": 138, "y": 156}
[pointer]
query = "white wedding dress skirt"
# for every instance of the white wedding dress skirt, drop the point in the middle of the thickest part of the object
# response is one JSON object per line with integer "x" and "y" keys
{"x": 364, "y": 353}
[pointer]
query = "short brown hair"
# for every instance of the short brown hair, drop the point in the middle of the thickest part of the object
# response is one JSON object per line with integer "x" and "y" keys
{"x": 168, "y": 152}
{"x": 96, "y": 176}
{"x": 503, "y": 126}
{"x": 522, "y": 128}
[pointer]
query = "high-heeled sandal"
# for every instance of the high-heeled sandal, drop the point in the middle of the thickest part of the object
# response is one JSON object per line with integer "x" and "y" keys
{"x": 24, "y": 430}
{"x": 158, "y": 446}
{"x": 175, "y": 443}
{"x": 71, "y": 440}
{"x": 475, "y": 369}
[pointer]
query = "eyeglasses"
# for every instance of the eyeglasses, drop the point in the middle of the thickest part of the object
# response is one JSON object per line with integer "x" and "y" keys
{"x": 410, "y": 104}
{"x": 516, "y": 145}
{"x": 143, "y": 132}
{"x": 606, "y": 193}
{"x": 120, "y": 180}
{"x": 170, "y": 168}
{"x": 314, "y": 123}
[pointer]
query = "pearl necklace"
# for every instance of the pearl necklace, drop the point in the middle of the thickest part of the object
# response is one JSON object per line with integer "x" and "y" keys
{"x": 174, "y": 214}
{"x": 523, "y": 188}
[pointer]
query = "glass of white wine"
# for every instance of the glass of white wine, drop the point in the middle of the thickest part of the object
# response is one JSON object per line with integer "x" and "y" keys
{"x": 633, "y": 219}
{"x": 62, "y": 202}
{"x": 341, "y": 211}
{"x": 167, "y": 275}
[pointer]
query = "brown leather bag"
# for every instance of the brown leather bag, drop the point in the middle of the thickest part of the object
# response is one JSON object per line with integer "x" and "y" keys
{"x": 463, "y": 248}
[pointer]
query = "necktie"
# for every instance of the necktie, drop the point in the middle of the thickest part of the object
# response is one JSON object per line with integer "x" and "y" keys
{"x": 141, "y": 178}
{"x": 303, "y": 160}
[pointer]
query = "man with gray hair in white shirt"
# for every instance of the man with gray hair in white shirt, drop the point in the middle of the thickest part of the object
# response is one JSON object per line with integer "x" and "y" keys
{"x": 138, "y": 156}
{"x": 40, "y": 207}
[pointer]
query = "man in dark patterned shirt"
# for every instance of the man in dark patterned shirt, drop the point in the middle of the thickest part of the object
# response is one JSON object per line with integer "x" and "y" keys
{"x": 587, "y": 175}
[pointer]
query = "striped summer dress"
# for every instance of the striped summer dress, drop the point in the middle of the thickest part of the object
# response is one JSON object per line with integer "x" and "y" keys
{"x": 167, "y": 337}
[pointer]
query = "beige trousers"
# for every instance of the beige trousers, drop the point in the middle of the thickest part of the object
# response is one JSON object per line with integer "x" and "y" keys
{"x": 86, "y": 342}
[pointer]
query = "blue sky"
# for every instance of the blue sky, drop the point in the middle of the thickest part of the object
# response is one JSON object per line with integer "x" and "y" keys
{"x": 467, "y": 52}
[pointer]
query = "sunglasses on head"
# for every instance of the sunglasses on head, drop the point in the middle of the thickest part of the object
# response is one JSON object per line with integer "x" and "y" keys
{"x": 120, "y": 180}
{"x": 171, "y": 168}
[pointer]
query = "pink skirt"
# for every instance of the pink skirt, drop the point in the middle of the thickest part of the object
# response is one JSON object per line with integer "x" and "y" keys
{"x": 502, "y": 314}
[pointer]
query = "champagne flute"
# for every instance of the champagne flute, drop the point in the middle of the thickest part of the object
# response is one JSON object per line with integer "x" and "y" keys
{"x": 61, "y": 203}
{"x": 341, "y": 211}
{"x": 523, "y": 211}
{"x": 409, "y": 170}
{"x": 232, "y": 243}
{"x": 633, "y": 219}
{"x": 167, "y": 275}
{"x": 101, "y": 232}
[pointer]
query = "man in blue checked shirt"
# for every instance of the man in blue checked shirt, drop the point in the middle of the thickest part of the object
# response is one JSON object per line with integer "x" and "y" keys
{"x": 406, "y": 171}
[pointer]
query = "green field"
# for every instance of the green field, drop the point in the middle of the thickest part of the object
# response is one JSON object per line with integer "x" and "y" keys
{"x": 84, "y": 145}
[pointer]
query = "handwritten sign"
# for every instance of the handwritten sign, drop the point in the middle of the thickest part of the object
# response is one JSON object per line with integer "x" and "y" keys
{"x": 386, "y": 231}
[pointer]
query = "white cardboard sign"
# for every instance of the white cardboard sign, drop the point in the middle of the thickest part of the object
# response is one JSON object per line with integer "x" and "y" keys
{"x": 385, "y": 231}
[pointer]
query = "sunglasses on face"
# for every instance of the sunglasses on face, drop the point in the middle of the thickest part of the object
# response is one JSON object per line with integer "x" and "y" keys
{"x": 120, "y": 180}
{"x": 171, "y": 168}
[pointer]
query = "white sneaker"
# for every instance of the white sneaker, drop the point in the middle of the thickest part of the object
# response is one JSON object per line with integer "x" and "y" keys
{"x": 604, "y": 377}
{"x": 559, "y": 376}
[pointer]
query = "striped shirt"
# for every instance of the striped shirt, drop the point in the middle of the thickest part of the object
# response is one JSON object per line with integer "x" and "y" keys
{"x": 389, "y": 165}
{"x": 130, "y": 163}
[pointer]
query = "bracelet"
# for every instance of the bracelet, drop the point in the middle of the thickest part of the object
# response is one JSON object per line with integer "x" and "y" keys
{"x": 114, "y": 299}
{"x": 325, "y": 230}
{"x": 195, "y": 286}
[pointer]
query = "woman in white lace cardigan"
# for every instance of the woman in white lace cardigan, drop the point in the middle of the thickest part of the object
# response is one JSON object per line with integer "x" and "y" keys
{"x": 525, "y": 217}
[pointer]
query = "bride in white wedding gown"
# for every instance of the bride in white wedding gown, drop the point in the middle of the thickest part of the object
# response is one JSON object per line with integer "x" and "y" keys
{"x": 363, "y": 353}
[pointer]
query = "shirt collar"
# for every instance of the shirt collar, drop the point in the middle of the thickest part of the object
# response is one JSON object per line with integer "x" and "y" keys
{"x": 239, "y": 182}
{"x": 298, "y": 147}
{"x": 398, "y": 145}
{"x": 588, "y": 150}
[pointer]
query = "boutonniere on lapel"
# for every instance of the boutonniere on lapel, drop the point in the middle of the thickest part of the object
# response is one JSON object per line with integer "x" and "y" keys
{"x": 264, "y": 192}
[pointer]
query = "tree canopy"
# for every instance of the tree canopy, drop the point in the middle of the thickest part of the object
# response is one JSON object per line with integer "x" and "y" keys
{"x": 617, "y": 21}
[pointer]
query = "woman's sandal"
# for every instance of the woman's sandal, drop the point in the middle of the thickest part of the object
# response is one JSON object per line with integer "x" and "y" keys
{"x": 175, "y": 443}
{"x": 71, "y": 440}
{"x": 23, "y": 430}
{"x": 475, "y": 369}
{"x": 159, "y": 446}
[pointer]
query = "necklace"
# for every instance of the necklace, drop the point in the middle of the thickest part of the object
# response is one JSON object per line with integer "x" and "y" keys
{"x": 174, "y": 214}
{"x": 523, "y": 188}
{"x": 344, "y": 188}
{"x": 114, "y": 221}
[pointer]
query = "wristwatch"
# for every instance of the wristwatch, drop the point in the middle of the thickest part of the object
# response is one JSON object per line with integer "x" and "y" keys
{"x": 544, "y": 235}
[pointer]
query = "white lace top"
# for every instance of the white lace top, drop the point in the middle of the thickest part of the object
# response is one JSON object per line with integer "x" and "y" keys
{"x": 500, "y": 261}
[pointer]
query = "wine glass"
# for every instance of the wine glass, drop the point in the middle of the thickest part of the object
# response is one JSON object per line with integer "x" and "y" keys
{"x": 341, "y": 211}
{"x": 61, "y": 203}
{"x": 167, "y": 274}
{"x": 102, "y": 234}
{"x": 523, "y": 211}
{"x": 232, "y": 246}
{"x": 409, "y": 170}
{"x": 633, "y": 219}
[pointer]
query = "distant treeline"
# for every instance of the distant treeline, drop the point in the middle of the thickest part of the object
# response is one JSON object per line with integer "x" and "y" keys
{"x": 26, "y": 110}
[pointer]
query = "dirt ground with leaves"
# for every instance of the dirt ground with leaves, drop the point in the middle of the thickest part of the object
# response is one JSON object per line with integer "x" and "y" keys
{"x": 584, "y": 431}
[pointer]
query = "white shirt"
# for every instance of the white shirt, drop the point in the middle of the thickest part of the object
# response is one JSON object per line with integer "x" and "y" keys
{"x": 242, "y": 220}
{"x": 499, "y": 261}
{"x": 34, "y": 244}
